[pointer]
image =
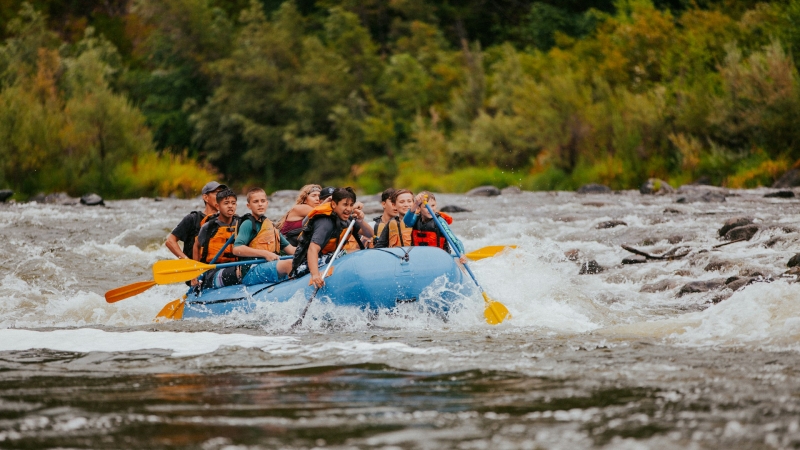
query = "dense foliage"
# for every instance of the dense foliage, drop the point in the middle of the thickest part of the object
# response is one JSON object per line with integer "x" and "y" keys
{"x": 124, "y": 97}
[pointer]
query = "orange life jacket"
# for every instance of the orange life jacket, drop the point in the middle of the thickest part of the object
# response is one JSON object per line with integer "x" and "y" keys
{"x": 268, "y": 237}
{"x": 397, "y": 238}
{"x": 216, "y": 237}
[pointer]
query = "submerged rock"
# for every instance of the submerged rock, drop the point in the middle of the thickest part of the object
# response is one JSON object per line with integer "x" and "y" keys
{"x": 663, "y": 285}
{"x": 610, "y": 224}
{"x": 789, "y": 179}
{"x": 483, "y": 191}
{"x": 5, "y": 194}
{"x": 56, "y": 198}
{"x": 454, "y": 209}
{"x": 702, "y": 197}
{"x": 92, "y": 200}
{"x": 511, "y": 190}
{"x": 672, "y": 211}
{"x": 701, "y": 286}
{"x": 594, "y": 189}
{"x": 634, "y": 260}
{"x": 590, "y": 268}
{"x": 780, "y": 194}
{"x": 654, "y": 186}
{"x": 718, "y": 265}
{"x": 742, "y": 233}
{"x": 734, "y": 223}
{"x": 573, "y": 254}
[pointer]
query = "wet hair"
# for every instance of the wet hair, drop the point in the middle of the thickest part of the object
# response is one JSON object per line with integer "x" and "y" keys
{"x": 400, "y": 192}
{"x": 253, "y": 191}
{"x": 387, "y": 194}
{"x": 340, "y": 194}
{"x": 305, "y": 191}
{"x": 225, "y": 193}
{"x": 429, "y": 194}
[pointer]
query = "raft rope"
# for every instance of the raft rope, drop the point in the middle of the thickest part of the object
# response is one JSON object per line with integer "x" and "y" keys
{"x": 405, "y": 257}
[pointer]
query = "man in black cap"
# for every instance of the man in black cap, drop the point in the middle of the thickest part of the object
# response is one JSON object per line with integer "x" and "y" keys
{"x": 188, "y": 228}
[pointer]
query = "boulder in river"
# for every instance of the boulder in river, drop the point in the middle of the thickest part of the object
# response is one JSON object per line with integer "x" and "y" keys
{"x": 701, "y": 286}
{"x": 745, "y": 232}
{"x": 590, "y": 268}
{"x": 654, "y": 186}
{"x": 658, "y": 286}
{"x": 5, "y": 194}
{"x": 92, "y": 200}
{"x": 483, "y": 191}
{"x": 789, "y": 179}
{"x": 634, "y": 260}
{"x": 454, "y": 209}
{"x": 289, "y": 194}
{"x": 794, "y": 261}
{"x": 736, "y": 283}
{"x": 733, "y": 223}
{"x": 610, "y": 224}
{"x": 511, "y": 190}
{"x": 780, "y": 194}
{"x": 594, "y": 189}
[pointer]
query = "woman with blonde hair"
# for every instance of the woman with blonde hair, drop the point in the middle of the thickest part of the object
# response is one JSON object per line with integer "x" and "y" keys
{"x": 291, "y": 225}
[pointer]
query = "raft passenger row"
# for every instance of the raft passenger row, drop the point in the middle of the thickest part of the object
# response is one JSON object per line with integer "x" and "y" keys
{"x": 254, "y": 259}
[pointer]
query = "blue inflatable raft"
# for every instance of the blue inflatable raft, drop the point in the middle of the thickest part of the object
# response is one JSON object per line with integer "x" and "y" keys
{"x": 368, "y": 279}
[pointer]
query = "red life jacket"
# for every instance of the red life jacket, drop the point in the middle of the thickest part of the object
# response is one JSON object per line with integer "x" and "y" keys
{"x": 428, "y": 235}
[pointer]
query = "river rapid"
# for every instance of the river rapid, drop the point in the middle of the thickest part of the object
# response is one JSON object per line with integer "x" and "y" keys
{"x": 617, "y": 359}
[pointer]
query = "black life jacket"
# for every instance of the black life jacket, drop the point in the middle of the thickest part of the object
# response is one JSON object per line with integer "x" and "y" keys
{"x": 216, "y": 237}
{"x": 427, "y": 234}
{"x": 321, "y": 212}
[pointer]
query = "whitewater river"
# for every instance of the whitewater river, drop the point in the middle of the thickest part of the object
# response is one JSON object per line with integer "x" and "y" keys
{"x": 611, "y": 360}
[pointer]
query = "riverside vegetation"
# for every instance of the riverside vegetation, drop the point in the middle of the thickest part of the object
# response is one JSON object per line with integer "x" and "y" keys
{"x": 146, "y": 97}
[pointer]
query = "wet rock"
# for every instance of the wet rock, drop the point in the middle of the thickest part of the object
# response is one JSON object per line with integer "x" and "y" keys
{"x": 780, "y": 194}
{"x": 718, "y": 265}
{"x": 672, "y": 211}
{"x": 752, "y": 272}
{"x": 659, "y": 286}
{"x": 789, "y": 179}
{"x": 56, "y": 198}
{"x": 590, "y": 268}
{"x": 736, "y": 283}
{"x": 483, "y": 191}
{"x": 773, "y": 242}
{"x": 794, "y": 261}
{"x": 654, "y": 186}
{"x": 92, "y": 200}
{"x": 158, "y": 199}
{"x": 454, "y": 209}
{"x": 701, "y": 286}
{"x": 746, "y": 233}
{"x": 573, "y": 254}
{"x": 721, "y": 297}
{"x": 594, "y": 189}
{"x": 289, "y": 194}
{"x": 5, "y": 194}
{"x": 634, "y": 260}
{"x": 701, "y": 197}
{"x": 683, "y": 273}
{"x": 511, "y": 190}
{"x": 734, "y": 223}
{"x": 610, "y": 224}
{"x": 595, "y": 204}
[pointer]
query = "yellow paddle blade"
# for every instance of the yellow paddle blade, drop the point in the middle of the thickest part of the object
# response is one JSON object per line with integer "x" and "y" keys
{"x": 172, "y": 311}
{"x": 121, "y": 293}
{"x": 487, "y": 252}
{"x": 495, "y": 311}
{"x": 178, "y": 270}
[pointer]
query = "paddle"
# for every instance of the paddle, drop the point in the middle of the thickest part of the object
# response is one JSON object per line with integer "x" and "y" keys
{"x": 487, "y": 252}
{"x": 178, "y": 270}
{"x": 174, "y": 309}
{"x": 495, "y": 311}
{"x": 324, "y": 274}
{"x": 121, "y": 293}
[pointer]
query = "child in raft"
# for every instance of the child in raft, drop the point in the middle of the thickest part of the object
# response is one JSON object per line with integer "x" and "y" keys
{"x": 424, "y": 230}
{"x": 389, "y": 228}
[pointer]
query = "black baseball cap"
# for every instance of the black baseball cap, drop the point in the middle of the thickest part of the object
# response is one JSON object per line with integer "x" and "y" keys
{"x": 326, "y": 192}
{"x": 212, "y": 186}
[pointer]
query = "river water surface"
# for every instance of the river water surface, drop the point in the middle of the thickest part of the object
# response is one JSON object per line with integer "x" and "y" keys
{"x": 618, "y": 359}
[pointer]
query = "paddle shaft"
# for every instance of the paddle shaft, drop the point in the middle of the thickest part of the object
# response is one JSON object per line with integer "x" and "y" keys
{"x": 324, "y": 273}
{"x": 452, "y": 244}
